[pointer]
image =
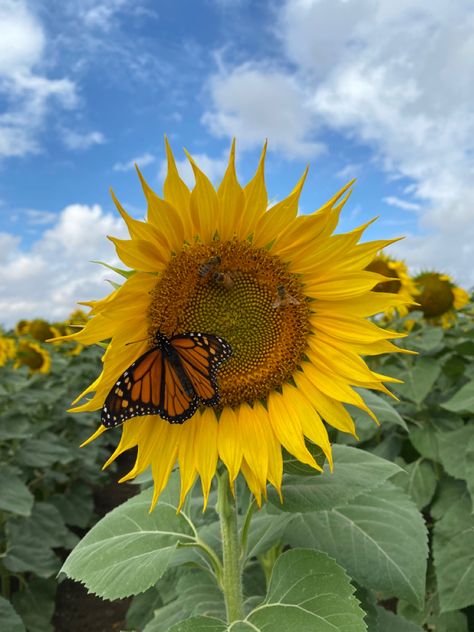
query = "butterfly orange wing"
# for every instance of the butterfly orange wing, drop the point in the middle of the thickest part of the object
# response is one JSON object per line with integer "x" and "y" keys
{"x": 200, "y": 355}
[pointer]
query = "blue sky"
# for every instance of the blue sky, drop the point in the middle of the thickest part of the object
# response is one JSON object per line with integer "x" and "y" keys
{"x": 362, "y": 88}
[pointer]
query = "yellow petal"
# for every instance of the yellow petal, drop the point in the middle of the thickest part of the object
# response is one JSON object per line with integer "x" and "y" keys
{"x": 164, "y": 458}
{"x": 204, "y": 204}
{"x": 277, "y": 219}
{"x": 186, "y": 453}
{"x": 342, "y": 286}
{"x": 205, "y": 450}
{"x": 351, "y": 329}
{"x": 141, "y": 230}
{"x": 288, "y": 430}
{"x": 252, "y": 482}
{"x": 177, "y": 194}
{"x": 165, "y": 217}
{"x": 139, "y": 254}
{"x": 253, "y": 443}
{"x": 100, "y": 430}
{"x": 313, "y": 428}
{"x": 275, "y": 460}
{"x": 332, "y": 411}
{"x": 330, "y": 384}
{"x": 229, "y": 442}
{"x": 256, "y": 200}
{"x": 231, "y": 200}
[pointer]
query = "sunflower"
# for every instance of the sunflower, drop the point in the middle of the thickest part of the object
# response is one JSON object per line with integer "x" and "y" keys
{"x": 439, "y": 298}
{"x": 288, "y": 296}
{"x": 7, "y": 349}
{"x": 399, "y": 282}
{"x": 32, "y": 355}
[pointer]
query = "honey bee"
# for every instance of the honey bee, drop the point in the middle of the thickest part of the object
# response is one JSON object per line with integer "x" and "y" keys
{"x": 226, "y": 279}
{"x": 284, "y": 298}
{"x": 206, "y": 268}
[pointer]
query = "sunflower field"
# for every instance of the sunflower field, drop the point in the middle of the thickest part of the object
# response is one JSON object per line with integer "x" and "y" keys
{"x": 234, "y": 384}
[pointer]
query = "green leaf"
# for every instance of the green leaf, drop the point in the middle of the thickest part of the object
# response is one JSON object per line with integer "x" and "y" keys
{"x": 308, "y": 591}
{"x": 204, "y": 624}
{"x": 383, "y": 409}
{"x": 36, "y": 604}
{"x": 75, "y": 505}
{"x": 463, "y": 401}
{"x": 142, "y": 608}
{"x": 418, "y": 380}
{"x": 29, "y": 541}
{"x": 453, "y": 546}
{"x": 389, "y": 622}
{"x": 266, "y": 530}
{"x": 44, "y": 452}
{"x": 291, "y": 465}
{"x": 9, "y": 618}
{"x": 15, "y": 496}
{"x": 380, "y": 539}
{"x": 427, "y": 339}
{"x": 355, "y": 471}
{"x": 197, "y": 594}
{"x": 130, "y": 549}
{"x": 453, "y": 450}
{"x": 420, "y": 483}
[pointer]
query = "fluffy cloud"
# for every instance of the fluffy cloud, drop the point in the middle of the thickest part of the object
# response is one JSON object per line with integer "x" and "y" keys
{"x": 391, "y": 76}
{"x": 142, "y": 161}
{"x": 254, "y": 103}
{"x": 75, "y": 140}
{"x": 48, "y": 279}
{"x": 28, "y": 94}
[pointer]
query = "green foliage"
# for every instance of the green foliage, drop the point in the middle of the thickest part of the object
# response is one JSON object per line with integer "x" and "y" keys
{"x": 46, "y": 489}
{"x": 392, "y": 526}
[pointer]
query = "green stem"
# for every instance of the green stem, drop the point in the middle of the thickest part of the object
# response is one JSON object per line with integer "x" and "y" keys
{"x": 232, "y": 573}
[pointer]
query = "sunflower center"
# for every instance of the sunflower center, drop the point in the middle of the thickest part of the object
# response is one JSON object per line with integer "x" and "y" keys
{"x": 382, "y": 267}
{"x": 436, "y": 296}
{"x": 246, "y": 296}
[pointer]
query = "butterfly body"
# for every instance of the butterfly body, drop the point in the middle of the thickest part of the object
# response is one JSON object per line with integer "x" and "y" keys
{"x": 170, "y": 380}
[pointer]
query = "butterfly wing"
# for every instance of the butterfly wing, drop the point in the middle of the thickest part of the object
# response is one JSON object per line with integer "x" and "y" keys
{"x": 200, "y": 356}
{"x": 155, "y": 384}
{"x": 138, "y": 391}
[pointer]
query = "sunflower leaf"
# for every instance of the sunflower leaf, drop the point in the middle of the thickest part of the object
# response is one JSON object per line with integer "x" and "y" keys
{"x": 453, "y": 546}
{"x": 308, "y": 591}
{"x": 418, "y": 380}
{"x": 355, "y": 472}
{"x": 390, "y": 622}
{"x": 462, "y": 401}
{"x": 380, "y": 538}
{"x": 15, "y": 496}
{"x": 205, "y": 624}
{"x": 129, "y": 549}
{"x": 9, "y": 618}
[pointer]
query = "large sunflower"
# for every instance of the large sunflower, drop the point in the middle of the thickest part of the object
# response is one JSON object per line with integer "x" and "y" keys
{"x": 288, "y": 296}
{"x": 399, "y": 282}
{"x": 439, "y": 297}
{"x": 32, "y": 355}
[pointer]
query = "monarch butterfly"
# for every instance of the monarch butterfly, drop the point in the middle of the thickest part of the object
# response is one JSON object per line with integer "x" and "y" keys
{"x": 170, "y": 380}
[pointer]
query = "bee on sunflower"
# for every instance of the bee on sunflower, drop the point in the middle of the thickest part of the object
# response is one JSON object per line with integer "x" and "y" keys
{"x": 234, "y": 372}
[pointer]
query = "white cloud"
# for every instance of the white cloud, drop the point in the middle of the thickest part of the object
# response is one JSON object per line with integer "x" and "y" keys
{"x": 55, "y": 272}
{"x": 392, "y": 200}
{"x": 75, "y": 140}
{"x": 28, "y": 94}
{"x": 214, "y": 168}
{"x": 39, "y": 218}
{"x": 253, "y": 103}
{"x": 142, "y": 161}
{"x": 393, "y": 77}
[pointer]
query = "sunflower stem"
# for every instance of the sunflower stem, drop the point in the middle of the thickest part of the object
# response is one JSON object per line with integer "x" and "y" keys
{"x": 231, "y": 554}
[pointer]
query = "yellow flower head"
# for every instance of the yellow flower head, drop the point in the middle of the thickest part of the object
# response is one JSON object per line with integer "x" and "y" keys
{"x": 439, "y": 297}
{"x": 7, "y": 349}
{"x": 40, "y": 329}
{"x": 32, "y": 355}
{"x": 399, "y": 282}
{"x": 288, "y": 297}
{"x": 21, "y": 328}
